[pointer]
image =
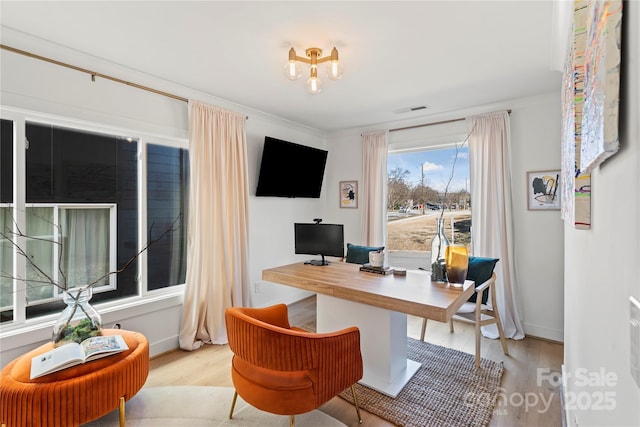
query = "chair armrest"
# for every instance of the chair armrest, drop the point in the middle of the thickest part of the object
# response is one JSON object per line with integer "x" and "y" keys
{"x": 485, "y": 285}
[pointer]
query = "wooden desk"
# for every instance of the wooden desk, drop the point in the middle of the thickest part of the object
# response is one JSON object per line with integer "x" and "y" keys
{"x": 378, "y": 305}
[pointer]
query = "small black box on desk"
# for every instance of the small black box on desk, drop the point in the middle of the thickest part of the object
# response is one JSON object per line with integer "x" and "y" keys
{"x": 378, "y": 270}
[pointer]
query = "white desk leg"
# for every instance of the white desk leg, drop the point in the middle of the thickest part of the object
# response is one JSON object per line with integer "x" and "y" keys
{"x": 383, "y": 340}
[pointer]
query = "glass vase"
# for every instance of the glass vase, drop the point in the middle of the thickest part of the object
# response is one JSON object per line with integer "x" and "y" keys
{"x": 79, "y": 320}
{"x": 439, "y": 246}
{"x": 457, "y": 261}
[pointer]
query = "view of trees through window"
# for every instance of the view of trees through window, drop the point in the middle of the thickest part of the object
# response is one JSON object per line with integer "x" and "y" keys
{"x": 422, "y": 186}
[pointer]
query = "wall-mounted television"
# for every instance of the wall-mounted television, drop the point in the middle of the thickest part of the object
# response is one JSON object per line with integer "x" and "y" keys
{"x": 319, "y": 239}
{"x": 290, "y": 170}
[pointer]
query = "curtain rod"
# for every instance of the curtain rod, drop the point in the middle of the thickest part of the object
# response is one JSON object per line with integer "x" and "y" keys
{"x": 94, "y": 74}
{"x": 431, "y": 124}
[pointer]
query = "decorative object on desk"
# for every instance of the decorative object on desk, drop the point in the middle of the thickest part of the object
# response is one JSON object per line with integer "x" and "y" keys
{"x": 360, "y": 254}
{"x": 397, "y": 271}
{"x": 378, "y": 270}
{"x": 348, "y": 194}
{"x": 457, "y": 262}
{"x": 438, "y": 394}
{"x": 79, "y": 320}
{"x": 542, "y": 190}
{"x": 440, "y": 242}
{"x": 439, "y": 246}
{"x": 376, "y": 258}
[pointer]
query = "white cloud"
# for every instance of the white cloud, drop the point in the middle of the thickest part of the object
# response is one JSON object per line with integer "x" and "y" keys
{"x": 430, "y": 167}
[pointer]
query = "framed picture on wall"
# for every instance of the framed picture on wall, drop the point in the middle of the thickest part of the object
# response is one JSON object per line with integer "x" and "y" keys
{"x": 348, "y": 194}
{"x": 542, "y": 190}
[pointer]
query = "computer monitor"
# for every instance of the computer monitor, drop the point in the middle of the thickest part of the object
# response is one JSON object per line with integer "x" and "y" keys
{"x": 319, "y": 239}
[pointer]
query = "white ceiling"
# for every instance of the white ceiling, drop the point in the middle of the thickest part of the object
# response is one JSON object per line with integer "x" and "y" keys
{"x": 447, "y": 55}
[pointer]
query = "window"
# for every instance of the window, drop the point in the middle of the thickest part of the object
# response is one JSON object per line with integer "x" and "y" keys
{"x": 6, "y": 200}
{"x": 82, "y": 211}
{"x": 424, "y": 184}
{"x": 69, "y": 244}
{"x": 167, "y": 175}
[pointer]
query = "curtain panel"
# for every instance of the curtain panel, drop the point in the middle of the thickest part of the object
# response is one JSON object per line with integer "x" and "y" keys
{"x": 375, "y": 147}
{"x": 217, "y": 253}
{"x": 491, "y": 212}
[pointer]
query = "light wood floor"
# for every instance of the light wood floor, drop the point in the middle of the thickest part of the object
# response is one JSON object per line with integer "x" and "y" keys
{"x": 524, "y": 402}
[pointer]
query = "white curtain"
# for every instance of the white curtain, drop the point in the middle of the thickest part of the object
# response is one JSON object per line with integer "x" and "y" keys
{"x": 217, "y": 264}
{"x": 374, "y": 188}
{"x": 86, "y": 246}
{"x": 491, "y": 212}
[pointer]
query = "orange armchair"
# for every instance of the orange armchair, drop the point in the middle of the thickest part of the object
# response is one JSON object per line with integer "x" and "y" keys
{"x": 285, "y": 370}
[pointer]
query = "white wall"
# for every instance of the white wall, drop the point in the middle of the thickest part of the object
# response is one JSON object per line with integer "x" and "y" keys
{"x": 539, "y": 240}
{"x": 602, "y": 266}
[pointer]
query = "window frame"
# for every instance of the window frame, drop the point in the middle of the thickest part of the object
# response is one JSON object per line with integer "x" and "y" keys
{"x": 20, "y": 118}
{"x": 113, "y": 231}
{"x": 442, "y": 136}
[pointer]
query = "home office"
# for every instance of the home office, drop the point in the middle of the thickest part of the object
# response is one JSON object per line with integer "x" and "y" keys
{"x": 559, "y": 269}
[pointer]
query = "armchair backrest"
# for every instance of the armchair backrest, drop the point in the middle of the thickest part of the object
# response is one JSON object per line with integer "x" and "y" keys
{"x": 262, "y": 337}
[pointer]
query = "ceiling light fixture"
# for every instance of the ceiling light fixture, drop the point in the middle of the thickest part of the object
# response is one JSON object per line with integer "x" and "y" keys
{"x": 314, "y": 57}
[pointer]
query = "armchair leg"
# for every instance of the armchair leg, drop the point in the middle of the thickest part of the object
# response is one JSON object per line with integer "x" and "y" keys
{"x": 233, "y": 403}
{"x": 292, "y": 420}
{"x": 355, "y": 402}
{"x": 424, "y": 328}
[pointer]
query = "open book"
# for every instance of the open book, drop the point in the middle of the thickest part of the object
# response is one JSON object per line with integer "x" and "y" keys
{"x": 73, "y": 354}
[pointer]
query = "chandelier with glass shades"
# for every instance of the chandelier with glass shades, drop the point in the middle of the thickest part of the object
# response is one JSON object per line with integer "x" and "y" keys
{"x": 314, "y": 57}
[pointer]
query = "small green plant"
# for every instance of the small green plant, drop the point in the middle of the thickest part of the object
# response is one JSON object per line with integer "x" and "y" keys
{"x": 83, "y": 330}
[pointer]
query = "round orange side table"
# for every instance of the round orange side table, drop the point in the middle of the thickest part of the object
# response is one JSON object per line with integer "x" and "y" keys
{"x": 75, "y": 395}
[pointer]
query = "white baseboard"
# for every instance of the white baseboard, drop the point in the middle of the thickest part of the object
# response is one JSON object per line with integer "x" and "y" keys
{"x": 543, "y": 332}
{"x": 164, "y": 346}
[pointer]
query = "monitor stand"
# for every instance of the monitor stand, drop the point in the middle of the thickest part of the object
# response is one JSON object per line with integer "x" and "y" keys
{"x": 317, "y": 261}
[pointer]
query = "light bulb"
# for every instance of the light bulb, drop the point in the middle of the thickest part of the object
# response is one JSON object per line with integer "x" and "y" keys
{"x": 314, "y": 85}
{"x": 292, "y": 70}
{"x": 334, "y": 70}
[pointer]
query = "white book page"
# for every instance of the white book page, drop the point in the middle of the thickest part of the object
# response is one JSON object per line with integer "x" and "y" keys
{"x": 54, "y": 359}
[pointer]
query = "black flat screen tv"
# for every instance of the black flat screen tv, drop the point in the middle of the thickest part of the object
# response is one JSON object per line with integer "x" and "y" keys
{"x": 319, "y": 239}
{"x": 290, "y": 170}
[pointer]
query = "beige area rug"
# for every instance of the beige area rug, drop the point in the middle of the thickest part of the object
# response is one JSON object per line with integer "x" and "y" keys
{"x": 447, "y": 390}
{"x": 192, "y": 406}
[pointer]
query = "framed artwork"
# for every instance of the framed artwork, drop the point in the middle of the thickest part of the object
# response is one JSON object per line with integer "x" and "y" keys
{"x": 575, "y": 184}
{"x": 601, "y": 94}
{"x": 348, "y": 194}
{"x": 542, "y": 190}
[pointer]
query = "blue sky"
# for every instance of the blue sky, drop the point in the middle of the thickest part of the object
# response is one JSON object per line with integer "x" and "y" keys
{"x": 436, "y": 165}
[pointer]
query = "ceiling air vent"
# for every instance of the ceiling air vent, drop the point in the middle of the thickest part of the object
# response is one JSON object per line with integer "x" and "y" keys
{"x": 410, "y": 109}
